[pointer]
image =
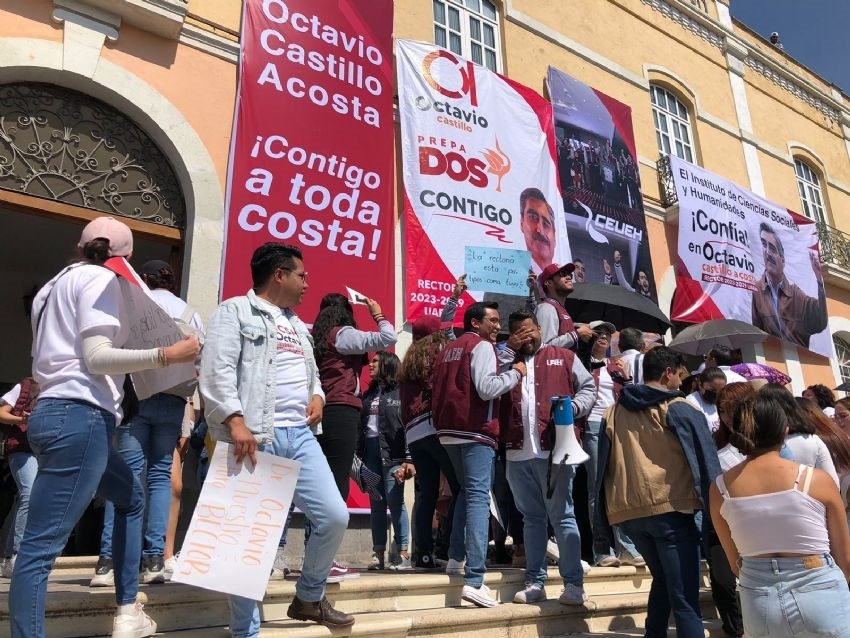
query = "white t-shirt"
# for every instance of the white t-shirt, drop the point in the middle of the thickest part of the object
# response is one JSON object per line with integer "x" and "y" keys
{"x": 372, "y": 422}
{"x": 604, "y": 395}
{"x": 291, "y": 400}
{"x": 85, "y": 298}
{"x": 531, "y": 448}
{"x": 175, "y": 306}
{"x": 708, "y": 409}
{"x": 11, "y": 397}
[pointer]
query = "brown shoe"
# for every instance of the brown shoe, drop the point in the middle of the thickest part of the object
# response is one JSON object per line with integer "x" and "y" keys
{"x": 321, "y": 612}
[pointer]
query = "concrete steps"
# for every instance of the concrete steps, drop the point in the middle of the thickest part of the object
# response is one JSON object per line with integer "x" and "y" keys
{"x": 387, "y": 605}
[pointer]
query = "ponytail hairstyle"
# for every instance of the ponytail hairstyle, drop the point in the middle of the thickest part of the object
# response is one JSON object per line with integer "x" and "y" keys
{"x": 96, "y": 251}
{"x": 760, "y": 424}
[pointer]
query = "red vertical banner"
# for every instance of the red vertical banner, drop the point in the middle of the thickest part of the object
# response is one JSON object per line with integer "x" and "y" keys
{"x": 311, "y": 158}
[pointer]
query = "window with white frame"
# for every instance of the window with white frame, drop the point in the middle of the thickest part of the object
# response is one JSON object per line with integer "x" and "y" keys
{"x": 672, "y": 124}
{"x": 810, "y": 194}
{"x": 469, "y": 28}
{"x": 842, "y": 355}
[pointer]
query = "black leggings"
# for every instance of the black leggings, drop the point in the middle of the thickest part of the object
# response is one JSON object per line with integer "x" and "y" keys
{"x": 338, "y": 441}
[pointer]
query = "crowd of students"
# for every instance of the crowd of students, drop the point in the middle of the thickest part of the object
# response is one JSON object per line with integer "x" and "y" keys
{"x": 748, "y": 478}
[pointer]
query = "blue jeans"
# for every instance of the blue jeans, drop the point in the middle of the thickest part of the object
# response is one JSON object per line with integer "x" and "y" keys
{"x": 529, "y": 486}
{"x": 24, "y": 468}
{"x": 147, "y": 445}
{"x": 670, "y": 544}
{"x": 71, "y": 441}
{"x": 604, "y": 537}
{"x": 430, "y": 459}
{"x": 782, "y": 597}
{"x": 473, "y": 464}
{"x": 392, "y": 496}
{"x": 317, "y": 496}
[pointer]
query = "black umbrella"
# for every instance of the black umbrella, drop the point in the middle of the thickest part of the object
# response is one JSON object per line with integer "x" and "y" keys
{"x": 844, "y": 387}
{"x": 591, "y": 301}
{"x": 702, "y": 337}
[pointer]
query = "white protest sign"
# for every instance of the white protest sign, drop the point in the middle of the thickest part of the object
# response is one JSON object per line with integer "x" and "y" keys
{"x": 234, "y": 533}
{"x": 150, "y": 327}
{"x": 356, "y": 297}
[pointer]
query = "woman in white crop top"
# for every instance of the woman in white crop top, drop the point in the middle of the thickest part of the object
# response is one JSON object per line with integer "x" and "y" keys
{"x": 79, "y": 326}
{"x": 784, "y": 530}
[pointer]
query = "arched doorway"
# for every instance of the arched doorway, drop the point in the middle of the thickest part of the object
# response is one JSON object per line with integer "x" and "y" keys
{"x": 66, "y": 158}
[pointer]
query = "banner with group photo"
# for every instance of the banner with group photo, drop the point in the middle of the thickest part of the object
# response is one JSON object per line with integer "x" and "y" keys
{"x": 744, "y": 257}
{"x": 600, "y": 186}
{"x": 311, "y": 157}
{"x": 480, "y": 182}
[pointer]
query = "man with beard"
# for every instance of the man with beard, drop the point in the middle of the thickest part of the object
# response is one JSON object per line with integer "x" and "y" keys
{"x": 556, "y": 325}
{"x": 781, "y": 308}
{"x": 551, "y": 371}
{"x": 466, "y": 386}
{"x": 711, "y": 381}
{"x": 537, "y": 223}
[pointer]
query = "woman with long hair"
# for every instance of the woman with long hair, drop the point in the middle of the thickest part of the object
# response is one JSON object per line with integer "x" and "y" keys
{"x": 833, "y": 438}
{"x": 842, "y": 415}
{"x": 340, "y": 350}
{"x": 802, "y": 440}
{"x": 729, "y": 398}
{"x": 382, "y": 446}
{"x": 79, "y": 325}
{"x": 428, "y": 454}
{"x": 783, "y": 529}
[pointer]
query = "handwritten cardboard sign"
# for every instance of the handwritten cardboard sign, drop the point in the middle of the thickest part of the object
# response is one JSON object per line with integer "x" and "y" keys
{"x": 497, "y": 270}
{"x": 234, "y": 533}
{"x": 150, "y": 327}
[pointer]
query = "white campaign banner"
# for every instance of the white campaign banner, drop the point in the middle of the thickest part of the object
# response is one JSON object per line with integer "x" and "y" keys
{"x": 476, "y": 147}
{"x": 237, "y": 523}
{"x": 743, "y": 257}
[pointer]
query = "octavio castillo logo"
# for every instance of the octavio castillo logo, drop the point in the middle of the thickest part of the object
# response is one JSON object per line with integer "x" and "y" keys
{"x": 466, "y": 72}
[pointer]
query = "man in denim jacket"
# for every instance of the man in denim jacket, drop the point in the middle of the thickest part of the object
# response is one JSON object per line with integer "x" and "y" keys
{"x": 261, "y": 390}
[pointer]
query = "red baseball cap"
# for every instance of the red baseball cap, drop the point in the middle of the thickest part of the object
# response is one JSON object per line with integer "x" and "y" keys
{"x": 554, "y": 269}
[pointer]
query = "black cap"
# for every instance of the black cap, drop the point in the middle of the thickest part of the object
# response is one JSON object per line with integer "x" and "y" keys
{"x": 156, "y": 266}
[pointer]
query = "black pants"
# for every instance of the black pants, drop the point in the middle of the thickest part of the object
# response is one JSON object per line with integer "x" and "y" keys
{"x": 723, "y": 585}
{"x": 430, "y": 459}
{"x": 338, "y": 441}
{"x": 511, "y": 516}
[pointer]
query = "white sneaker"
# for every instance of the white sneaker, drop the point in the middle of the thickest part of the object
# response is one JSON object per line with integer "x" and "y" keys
{"x": 572, "y": 595}
{"x": 279, "y": 567}
{"x": 634, "y": 561}
{"x": 133, "y": 625}
{"x": 585, "y": 566}
{"x": 7, "y": 566}
{"x": 480, "y": 596}
{"x": 608, "y": 561}
{"x": 533, "y": 593}
{"x": 552, "y": 552}
{"x": 168, "y": 567}
{"x": 455, "y": 567}
{"x": 402, "y": 562}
